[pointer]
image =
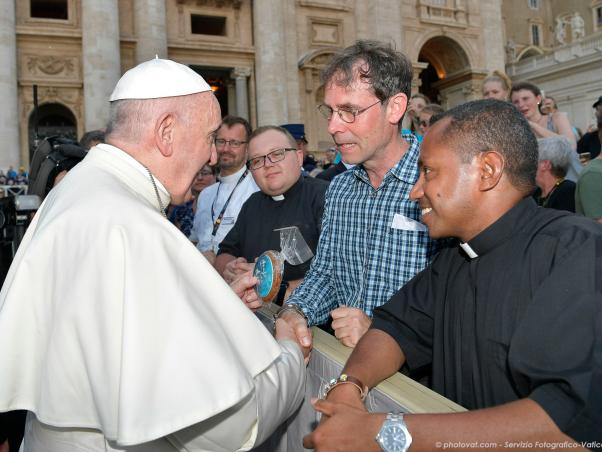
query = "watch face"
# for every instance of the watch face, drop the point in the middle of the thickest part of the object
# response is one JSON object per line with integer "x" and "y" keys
{"x": 394, "y": 439}
{"x": 394, "y": 436}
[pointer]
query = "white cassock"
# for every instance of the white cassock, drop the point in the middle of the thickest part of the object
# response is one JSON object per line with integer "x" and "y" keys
{"x": 115, "y": 331}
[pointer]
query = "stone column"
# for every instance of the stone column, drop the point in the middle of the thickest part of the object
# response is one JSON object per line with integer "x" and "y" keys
{"x": 9, "y": 112}
{"x": 417, "y": 67}
{"x": 101, "y": 59}
{"x": 241, "y": 74}
{"x": 294, "y": 99}
{"x": 493, "y": 34}
{"x": 270, "y": 62}
{"x": 150, "y": 25}
{"x": 381, "y": 20}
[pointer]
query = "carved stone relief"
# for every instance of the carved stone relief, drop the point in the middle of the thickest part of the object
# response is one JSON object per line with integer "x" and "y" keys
{"x": 50, "y": 67}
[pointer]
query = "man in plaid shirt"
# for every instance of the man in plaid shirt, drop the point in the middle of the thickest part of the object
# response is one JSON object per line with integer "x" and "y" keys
{"x": 372, "y": 241}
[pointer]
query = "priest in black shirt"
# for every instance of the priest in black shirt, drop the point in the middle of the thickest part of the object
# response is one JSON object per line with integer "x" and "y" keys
{"x": 286, "y": 199}
{"x": 510, "y": 318}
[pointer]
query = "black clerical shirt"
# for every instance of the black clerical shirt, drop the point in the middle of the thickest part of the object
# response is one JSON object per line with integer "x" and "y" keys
{"x": 254, "y": 231}
{"x": 522, "y": 319}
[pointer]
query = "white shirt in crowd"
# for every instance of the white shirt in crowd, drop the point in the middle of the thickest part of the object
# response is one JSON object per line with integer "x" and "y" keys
{"x": 210, "y": 204}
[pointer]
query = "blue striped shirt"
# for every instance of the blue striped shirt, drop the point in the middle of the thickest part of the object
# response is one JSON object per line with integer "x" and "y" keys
{"x": 361, "y": 259}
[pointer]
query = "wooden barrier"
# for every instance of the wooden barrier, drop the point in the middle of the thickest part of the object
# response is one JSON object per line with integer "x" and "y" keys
{"x": 397, "y": 393}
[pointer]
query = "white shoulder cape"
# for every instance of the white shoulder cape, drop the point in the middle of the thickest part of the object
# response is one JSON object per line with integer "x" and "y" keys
{"x": 111, "y": 319}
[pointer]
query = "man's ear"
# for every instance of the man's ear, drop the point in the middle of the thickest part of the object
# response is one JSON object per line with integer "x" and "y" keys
{"x": 165, "y": 133}
{"x": 299, "y": 155}
{"x": 491, "y": 166}
{"x": 396, "y": 107}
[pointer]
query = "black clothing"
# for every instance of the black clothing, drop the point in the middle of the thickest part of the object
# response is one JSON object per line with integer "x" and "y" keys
{"x": 332, "y": 171}
{"x": 590, "y": 142}
{"x": 253, "y": 233}
{"x": 561, "y": 197}
{"x": 522, "y": 319}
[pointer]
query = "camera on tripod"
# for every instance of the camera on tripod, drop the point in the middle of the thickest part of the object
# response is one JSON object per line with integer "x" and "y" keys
{"x": 51, "y": 157}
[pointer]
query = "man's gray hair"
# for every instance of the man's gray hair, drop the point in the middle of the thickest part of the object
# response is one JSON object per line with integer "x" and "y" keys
{"x": 558, "y": 151}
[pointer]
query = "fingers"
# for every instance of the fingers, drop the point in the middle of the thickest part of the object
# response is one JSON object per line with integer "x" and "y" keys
{"x": 243, "y": 287}
{"x": 324, "y": 406}
{"x": 349, "y": 325}
{"x": 304, "y": 336}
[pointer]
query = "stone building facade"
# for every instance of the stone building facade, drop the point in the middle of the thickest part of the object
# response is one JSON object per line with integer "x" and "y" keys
{"x": 262, "y": 57}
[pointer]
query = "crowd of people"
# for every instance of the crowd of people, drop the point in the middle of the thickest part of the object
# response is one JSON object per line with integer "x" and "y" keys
{"x": 443, "y": 244}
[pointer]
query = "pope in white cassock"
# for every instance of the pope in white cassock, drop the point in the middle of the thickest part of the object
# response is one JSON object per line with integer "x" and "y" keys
{"x": 115, "y": 332}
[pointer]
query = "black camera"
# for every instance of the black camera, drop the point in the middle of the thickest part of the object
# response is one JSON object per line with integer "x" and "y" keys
{"x": 16, "y": 213}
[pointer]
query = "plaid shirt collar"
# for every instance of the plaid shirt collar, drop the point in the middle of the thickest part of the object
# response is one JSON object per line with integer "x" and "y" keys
{"x": 405, "y": 170}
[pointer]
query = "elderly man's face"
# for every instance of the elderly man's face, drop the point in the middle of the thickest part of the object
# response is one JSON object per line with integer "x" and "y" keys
{"x": 232, "y": 154}
{"x": 445, "y": 187}
{"x": 275, "y": 178}
{"x": 198, "y": 133}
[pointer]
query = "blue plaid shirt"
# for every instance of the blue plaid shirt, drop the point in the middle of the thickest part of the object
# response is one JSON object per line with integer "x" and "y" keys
{"x": 361, "y": 259}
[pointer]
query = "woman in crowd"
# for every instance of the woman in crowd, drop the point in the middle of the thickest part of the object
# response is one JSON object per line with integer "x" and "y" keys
{"x": 554, "y": 189}
{"x": 415, "y": 105}
{"x": 527, "y": 98}
{"x": 425, "y": 117}
{"x": 497, "y": 86}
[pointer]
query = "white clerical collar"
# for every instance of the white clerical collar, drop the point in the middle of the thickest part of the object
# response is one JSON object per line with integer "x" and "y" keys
{"x": 278, "y": 198}
{"x": 131, "y": 161}
{"x": 232, "y": 178}
{"x": 468, "y": 250}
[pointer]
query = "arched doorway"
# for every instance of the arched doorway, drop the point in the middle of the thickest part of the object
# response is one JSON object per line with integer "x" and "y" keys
{"x": 218, "y": 79}
{"x": 52, "y": 119}
{"x": 448, "y": 65}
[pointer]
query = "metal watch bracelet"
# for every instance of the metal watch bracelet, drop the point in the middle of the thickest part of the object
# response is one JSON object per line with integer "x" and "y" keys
{"x": 290, "y": 307}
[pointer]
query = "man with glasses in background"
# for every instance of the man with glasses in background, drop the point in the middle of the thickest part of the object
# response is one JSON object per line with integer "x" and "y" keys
{"x": 219, "y": 204}
{"x": 372, "y": 242}
{"x": 286, "y": 200}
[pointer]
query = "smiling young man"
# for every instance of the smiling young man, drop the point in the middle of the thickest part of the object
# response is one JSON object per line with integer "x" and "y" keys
{"x": 286, "y": 199}
{"x": 509, "y": 319}
{"x": 371, "y": 241}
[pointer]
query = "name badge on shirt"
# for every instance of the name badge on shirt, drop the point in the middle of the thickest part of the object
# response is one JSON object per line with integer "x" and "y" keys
{"x": 227, "y": 220}
{"x": 407, "y": 224}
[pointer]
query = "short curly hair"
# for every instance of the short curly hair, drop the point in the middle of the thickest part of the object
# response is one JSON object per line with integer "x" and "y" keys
{"x": 388, "y": 72}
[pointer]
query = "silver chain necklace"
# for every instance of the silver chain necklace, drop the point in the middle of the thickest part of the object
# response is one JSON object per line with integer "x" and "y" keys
{"x": 161, "y": 208}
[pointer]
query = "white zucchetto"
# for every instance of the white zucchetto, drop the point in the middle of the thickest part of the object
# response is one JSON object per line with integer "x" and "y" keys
{"x": 158, "y": 78}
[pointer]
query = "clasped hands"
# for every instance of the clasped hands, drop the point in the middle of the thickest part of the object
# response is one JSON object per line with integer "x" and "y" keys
{"x": 345, "y": 424}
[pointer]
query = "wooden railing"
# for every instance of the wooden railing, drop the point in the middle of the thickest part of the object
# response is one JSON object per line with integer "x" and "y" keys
{"x": 397, "y": 394}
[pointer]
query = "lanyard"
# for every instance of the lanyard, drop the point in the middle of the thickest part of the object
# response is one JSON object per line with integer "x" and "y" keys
{"x": 220, "y": 217}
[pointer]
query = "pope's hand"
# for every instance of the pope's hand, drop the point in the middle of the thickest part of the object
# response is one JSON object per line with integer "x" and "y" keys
{"x": 289, "y": 327}
{"x": 349, "y": 324}
{"x": 244, "y": 287}
{"x": 235, "y": 268}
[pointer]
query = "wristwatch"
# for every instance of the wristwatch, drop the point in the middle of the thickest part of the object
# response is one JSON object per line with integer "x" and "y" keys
{"x": 394, "y": 435}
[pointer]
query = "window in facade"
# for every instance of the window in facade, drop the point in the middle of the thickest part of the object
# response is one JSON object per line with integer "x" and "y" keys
{"x": 598, "y": 16}
{"x": 49, "y": 9}
{"x": 535, "y": 35}
{"x": 534, "y": 4}
{"x": 207, "y": 25}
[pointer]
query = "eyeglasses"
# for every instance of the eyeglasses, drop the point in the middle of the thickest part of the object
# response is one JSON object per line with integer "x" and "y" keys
{"x": 274, "y": 157}
{"x": 346, "y": 115}
{"x": 234, "y": 144}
